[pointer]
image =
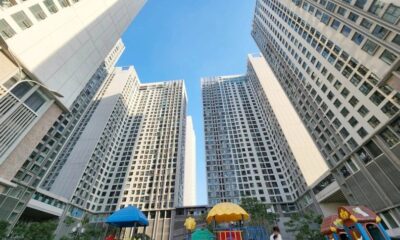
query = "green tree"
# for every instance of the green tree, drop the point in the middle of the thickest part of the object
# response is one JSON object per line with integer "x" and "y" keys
{"x": 3, "y": 229}
{"x": 305, "y": 226}
{"x": 34, "y": 230}
{"x": 259, "y": 214}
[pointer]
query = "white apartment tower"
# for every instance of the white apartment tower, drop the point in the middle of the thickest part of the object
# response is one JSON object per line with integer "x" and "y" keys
{"x": 190, "y": 182}
{"x": 247, "y": 154}
{"x": 339, "y": 64}
{"x": 128, "y": 149}
{"x": 53, "y": 55}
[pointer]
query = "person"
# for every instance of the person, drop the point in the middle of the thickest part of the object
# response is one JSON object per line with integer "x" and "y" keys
{"x": 110, "y": 237}
{"x": 276, "y": 234}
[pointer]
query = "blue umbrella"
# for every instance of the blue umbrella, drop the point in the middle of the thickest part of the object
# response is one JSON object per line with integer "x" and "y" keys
{"x": 128, "y": 217}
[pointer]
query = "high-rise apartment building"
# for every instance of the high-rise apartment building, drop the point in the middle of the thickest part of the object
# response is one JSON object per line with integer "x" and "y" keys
{"x": 247, "y": 154}
{"x": 27, "y": 178}
{"x": 50, "y": 56}
{"x": 42, "y": 77}
{"x": 190, "y": 181}
{"x": 128, "y": 149}
{"x": 339, "y": 64}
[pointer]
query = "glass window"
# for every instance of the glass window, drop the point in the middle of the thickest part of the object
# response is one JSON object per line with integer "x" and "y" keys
{"x": 365, "y": 88}
{"x": 373, "y": 149}
{"x": 331, "y": 6}
{"x": 392, "y": 14}
{"x": 364, "y": 156}
{"x": 345, "y": 92}
{"x": 353, "y": 17}
{"x": 63, "y": 3}
{"x": 353, "y": 122}
{"x": 344, "y": 172}
{"x": 396, "y": 39}
{"x": 35, "y": 101}
{"x": 363, "y": 111}
{"x": 51, "y": 6}
{"x": 22, "y": 20}
{"x": 21, "y": 89}
{"x": 362, "y": 132}
{"x": 346, "y": 30}
{"x": 377, "y": 98}
{"x": 366, "y": 23}
{"x": 344, "y": 132}
{"x": 357, "y": 38}
{"x": 376, "y": 7}
{"x": 341, "y": 11}
{"x": 374, "y": 122}
{"x": 389, "y": 137}
{"x": 355, "y": 79}
{"x": 370, "y": 47}
{"x": 325, "y": 18}
{"x": 5, "y": 30}
{"x": 388, "y": 57}
{"x": 380, "y": 32}
{"x": 353, "y": 101}
{"x": 389, "y": 109}
{"x": 37, "y": 11}
{"x": 344, "y": 112}
{"x": 360, "y": 3}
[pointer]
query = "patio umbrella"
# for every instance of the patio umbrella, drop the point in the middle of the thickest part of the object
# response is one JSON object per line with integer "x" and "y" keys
{"x": 227, "y": 212}
{"x": 128, "y": 217}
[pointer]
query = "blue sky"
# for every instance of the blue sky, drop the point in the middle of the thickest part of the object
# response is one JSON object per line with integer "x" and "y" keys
{"x": 190, "y": 39}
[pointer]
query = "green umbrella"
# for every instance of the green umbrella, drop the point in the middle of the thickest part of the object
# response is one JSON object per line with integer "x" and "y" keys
{"x": 202, "y": 234}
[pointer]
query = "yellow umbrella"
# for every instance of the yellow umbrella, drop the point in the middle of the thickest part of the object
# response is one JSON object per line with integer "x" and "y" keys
{"x": 227, "y": 212}
{"x": 190, "y": 224}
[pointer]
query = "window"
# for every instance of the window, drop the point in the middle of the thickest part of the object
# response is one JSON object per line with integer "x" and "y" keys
{"x": 357, "y": 38}
{"x": 63, "y": 3}
{"x": 346, "y": 30}
{"x": 362, "y": 132}
{"x": 353, "y": 101}
{"x": 344, "y": 172}
{"x": 341, "y": 11}
{"x": 370, "y": 47}
{"x": 363, "y": 111}
{"x": 374, "y": 122}
{"x": 364, "y": 156}
{"x": 345, "y": 92}
{"x": 353, "y": 122}
{"x": 344, "y": 112}
{"x": 376, "y": 7}
{"x": 5, "y": 30}
{"x": 373, "y": 149}
{"x": 396, "y": 39}
{"x": 360, "y": 3}
{"x": 392, "y": 14}
{"x": 335, "y": 24}
{"x": 37, "y": 11}
{"x": 50, "y": 6}
{"x": 388, "y": 57}
{"x": 380, "y": 32}
{"x": 353, "y": 17}
{"x": 20, "y": 89}
{"x": 325, "y": 18}
{"x": 22, "y": 20}
{"x": 344, "y": 132}
{"x": 35, "y": 101}
{"x": 389, "y": 137}
{"x": 365, "y": 88}
{"x": 355, "y": 79}
{"x": 366, "y": 23}
{"x": 377, "y": 98}
{"x": 389, "y": 109}
{"x": 331, "y": 6}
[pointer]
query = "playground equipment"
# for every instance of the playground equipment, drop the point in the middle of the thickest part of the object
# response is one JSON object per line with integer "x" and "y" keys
{"x": 332, "y": 228}
{"x": 359, "y": 222}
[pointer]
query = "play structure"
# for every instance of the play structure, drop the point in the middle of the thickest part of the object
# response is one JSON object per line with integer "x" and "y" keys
{"x": 354, "y": 223}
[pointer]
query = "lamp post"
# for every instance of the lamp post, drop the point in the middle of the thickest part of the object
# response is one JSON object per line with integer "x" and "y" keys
{"x": 55, "y": 93}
